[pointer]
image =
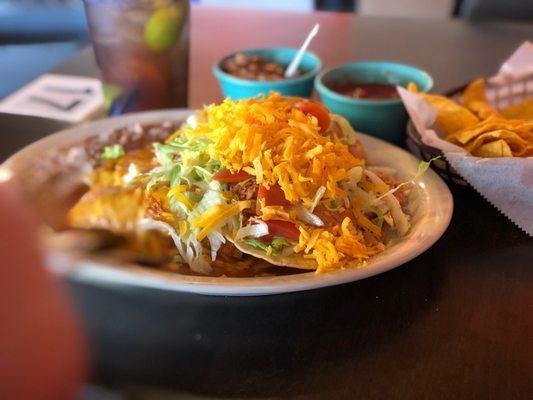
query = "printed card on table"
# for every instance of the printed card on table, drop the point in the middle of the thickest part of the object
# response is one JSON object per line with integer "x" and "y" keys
{"x": 67, "y": 98}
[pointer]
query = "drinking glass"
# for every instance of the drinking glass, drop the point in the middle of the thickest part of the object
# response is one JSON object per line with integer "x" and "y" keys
{"x": 142, "y": 50}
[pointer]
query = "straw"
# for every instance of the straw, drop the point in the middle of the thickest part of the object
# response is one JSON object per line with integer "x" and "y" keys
{"x": 293, "y": 66}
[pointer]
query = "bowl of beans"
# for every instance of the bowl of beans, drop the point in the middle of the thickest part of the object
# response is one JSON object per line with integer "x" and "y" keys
{"x": 365, "y": 94}
{"x": 249, "y": 73}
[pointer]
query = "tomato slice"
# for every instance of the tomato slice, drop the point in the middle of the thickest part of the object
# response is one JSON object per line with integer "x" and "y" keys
{"x": 272, "y": 196}
{"x": 286, "y": 229}
{"x": 225, "y": 176}
{"x": 317, "y": 109}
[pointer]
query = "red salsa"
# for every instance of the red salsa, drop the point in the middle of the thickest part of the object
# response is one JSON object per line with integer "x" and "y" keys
{"x": 372, "y": 91}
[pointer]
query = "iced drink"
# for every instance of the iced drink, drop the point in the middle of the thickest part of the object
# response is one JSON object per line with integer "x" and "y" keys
{"x": 141, "y": 47}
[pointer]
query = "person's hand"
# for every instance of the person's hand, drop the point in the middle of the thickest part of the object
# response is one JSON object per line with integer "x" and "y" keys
{"x": 42, "y": 350}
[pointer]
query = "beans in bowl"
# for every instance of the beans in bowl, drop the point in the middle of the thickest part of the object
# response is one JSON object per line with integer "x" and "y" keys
{"x": 254, "y": 67}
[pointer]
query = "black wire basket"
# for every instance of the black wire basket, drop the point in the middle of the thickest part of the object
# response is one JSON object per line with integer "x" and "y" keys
{"x": 421, "y": 150}
{"x": 441, "y": 166}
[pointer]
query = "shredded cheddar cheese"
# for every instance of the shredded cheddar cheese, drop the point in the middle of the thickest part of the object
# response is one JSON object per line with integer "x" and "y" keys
{"x": 159, "y": 195}
{"x": 276, "y": 212}
{"x": 334, "y": 247}
{"x": 177, "y": 191}
{"x": 217, "y": 216}
{"x": 276, "y": 143}
{"x": 182, "y": 225}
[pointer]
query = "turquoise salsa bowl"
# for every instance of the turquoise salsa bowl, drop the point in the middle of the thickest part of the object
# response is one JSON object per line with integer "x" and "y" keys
{"x": 385, "y": 119}
{"x": 302, "y": 85}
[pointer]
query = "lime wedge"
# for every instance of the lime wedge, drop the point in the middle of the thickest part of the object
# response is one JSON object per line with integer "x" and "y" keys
{"x": 111, "y": 92}
{"x": 163, "y": 28}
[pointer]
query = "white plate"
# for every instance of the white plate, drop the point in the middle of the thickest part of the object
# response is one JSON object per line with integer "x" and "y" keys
{"x": 430, "y": 220}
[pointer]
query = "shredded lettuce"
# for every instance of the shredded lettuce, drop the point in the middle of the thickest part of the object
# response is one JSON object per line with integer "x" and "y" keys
{"x": 422, "y": 168}
{"x": 194, "y": 167}
{"x": 258, "y": 229}
{"x": 304, "y": 215}
{"x": 112, "y": 152}
{"x": 210, "y": 198}
{"x": 203, "y": 174}
{"x": 215, "y": 241}
{"x": 318, "y": 196}
{"x": 174, "y": 176}
{"x": 278, "y": 243}
{"x": 179, "y": 208}
{"x": 401, "y": 221}
{"x": 197, "y": 261}
{"x": 424, "y": 165}
{"x": 164, "y": 153}
{"x": 185, "y": 162}
{"x": 257, "y": 244}
{"x": 195, "y": 144}
{"x": 156, "y": 175}
{"x": 191, "y": 252}
{"x": 273, "y": 248}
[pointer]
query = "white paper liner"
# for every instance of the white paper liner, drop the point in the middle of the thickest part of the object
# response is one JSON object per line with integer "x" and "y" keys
{"x": 506, "y": 182}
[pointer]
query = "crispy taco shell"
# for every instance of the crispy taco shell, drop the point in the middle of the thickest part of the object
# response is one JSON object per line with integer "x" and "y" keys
{"x": 293, "y": 260}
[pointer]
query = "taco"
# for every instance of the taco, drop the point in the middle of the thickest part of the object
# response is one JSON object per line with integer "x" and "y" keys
{"x": 278, "y": 178}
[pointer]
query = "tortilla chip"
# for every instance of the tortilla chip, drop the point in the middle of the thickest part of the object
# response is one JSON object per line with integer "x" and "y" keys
{"x": 411, "y": 86}
{"x": 475, "y": 100}
{"x": 525, "y": 131}
{"x": 498, "y": 148}
{"x": 527, "y": 136}
{"x": 522, "y": 110}
{"x": 451, "y": 117}
{"x": 516, "y": 144}
{"x": 479, "y": 128}
{"x": 491, "y": 124}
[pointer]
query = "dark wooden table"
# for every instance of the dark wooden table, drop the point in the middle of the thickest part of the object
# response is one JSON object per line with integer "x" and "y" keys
{"x": 455, "y": 323}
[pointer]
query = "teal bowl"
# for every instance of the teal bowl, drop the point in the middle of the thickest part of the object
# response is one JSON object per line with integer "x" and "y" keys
{"x": 239, "y": 88}
{"x": 385, "y": 118}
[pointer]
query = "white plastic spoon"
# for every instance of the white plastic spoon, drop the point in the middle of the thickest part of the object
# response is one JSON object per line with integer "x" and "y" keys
{"x": 293, "y": 66}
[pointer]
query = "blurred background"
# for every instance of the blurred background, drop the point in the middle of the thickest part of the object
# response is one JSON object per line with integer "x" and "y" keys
{"x": 36, "y": 35}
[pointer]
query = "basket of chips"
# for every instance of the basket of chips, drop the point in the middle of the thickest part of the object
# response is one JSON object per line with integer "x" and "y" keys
{"x": 482, "y": 135}
{"x": 503, "y": 128}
